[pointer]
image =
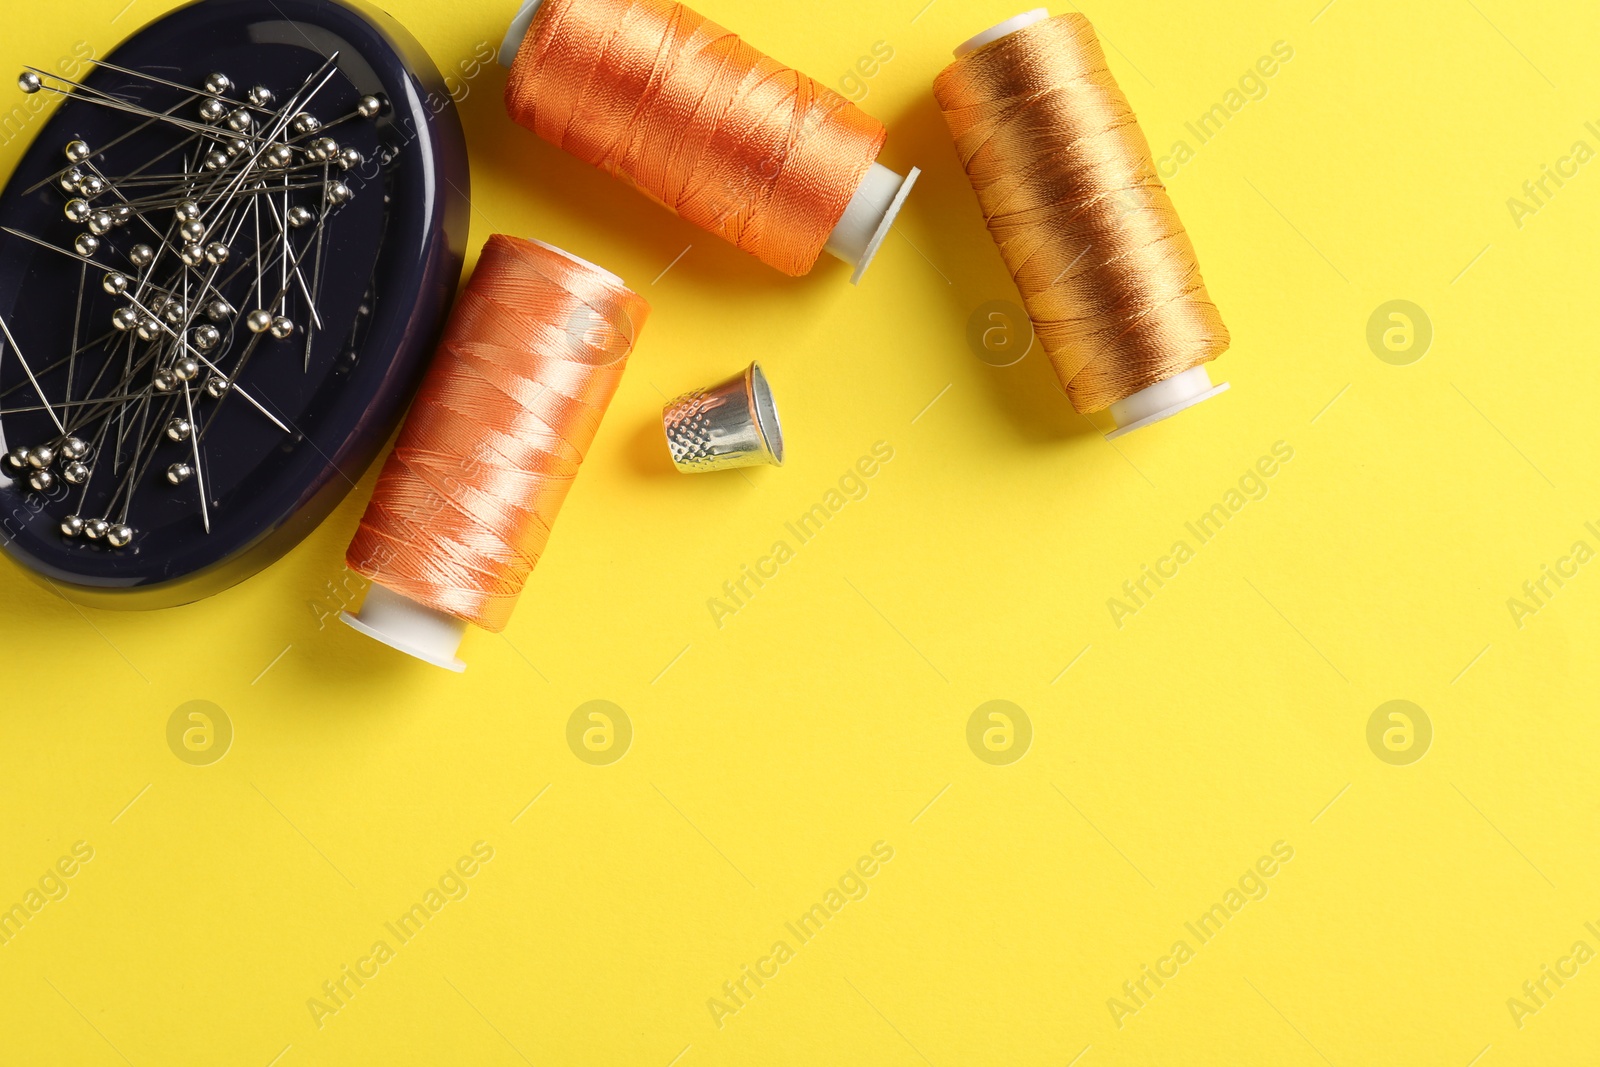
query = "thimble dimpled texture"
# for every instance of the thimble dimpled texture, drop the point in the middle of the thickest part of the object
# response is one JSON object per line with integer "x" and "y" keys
{"x": 689, "y": 430}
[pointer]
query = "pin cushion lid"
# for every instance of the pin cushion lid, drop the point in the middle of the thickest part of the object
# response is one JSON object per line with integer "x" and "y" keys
{"x": 160, "y": 442}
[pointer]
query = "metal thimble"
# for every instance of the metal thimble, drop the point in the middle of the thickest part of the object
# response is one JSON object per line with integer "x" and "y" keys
{"x": 732, "y": 424}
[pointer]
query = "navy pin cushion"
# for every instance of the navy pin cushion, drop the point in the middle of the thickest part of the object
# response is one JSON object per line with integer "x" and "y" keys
{"x": 255, "y": 425}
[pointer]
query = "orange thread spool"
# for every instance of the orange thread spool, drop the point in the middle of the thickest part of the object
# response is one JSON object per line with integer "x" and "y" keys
{"x": 729, "y": 139}
{"x": 463, "y": 509}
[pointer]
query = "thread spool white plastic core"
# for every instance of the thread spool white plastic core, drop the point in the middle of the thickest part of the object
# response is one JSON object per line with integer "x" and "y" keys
{"x": 866, "y": 221}
{"x": 1163, "y": 400}
{"x": 993, "y": 33}
{"x": 412, "y": 628}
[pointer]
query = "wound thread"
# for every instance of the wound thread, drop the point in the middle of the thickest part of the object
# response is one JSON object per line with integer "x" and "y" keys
{"x": 529, "y": 362}
{"x": 1071, "y": 194}
{"x": 722, "y": 135}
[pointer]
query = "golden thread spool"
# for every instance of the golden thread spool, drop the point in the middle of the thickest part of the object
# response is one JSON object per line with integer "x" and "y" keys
{"x": 1070, "y": 191}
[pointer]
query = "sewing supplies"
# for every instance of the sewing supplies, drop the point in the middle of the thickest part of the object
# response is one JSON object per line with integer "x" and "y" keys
{"x": 1072, "y": 197}
{"x": 223, "y": 263}
{"x": 730, "y": 424}
{"x": 464, "y": 507}
{"x": 763, "y": 156}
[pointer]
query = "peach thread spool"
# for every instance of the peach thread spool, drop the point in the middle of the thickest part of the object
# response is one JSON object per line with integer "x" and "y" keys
{"x": 464, "y": 507}
{"x": 758, "y": 153}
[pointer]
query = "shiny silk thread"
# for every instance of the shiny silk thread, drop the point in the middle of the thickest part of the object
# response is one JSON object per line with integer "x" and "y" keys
{"x": 1071, "y": 194}
{"x": 529, "y": 362}
{"x": 724, "y": 136}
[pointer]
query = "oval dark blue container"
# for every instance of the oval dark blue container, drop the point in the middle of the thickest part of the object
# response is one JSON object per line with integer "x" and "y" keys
{"x": 393, "y": 261}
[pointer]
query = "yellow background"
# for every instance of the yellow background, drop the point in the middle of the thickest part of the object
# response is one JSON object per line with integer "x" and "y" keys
{"x": 831, "y": 712}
